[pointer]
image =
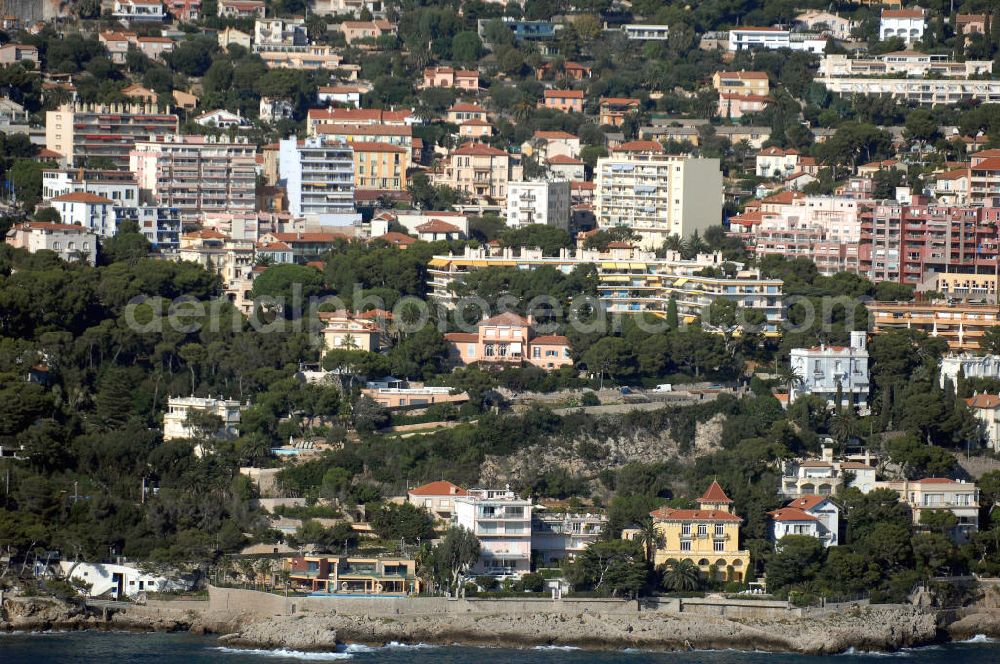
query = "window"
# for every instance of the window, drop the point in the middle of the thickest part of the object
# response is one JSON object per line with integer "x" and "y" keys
{"x": 428, "y": 502}
{"x": 702, "y": 529}
{"x": 685, "y": 545}
{"x": 490, "y": 350}
{"x": 536, "y": 352}
{"x": 470, "y": 350}
{"x": 719, "y": 545}
{"x": 720, "y": 530}
{"x": 685, "y": 529}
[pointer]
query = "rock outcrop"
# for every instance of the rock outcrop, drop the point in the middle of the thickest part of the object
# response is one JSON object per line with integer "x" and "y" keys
{"x": 294, "y": 632}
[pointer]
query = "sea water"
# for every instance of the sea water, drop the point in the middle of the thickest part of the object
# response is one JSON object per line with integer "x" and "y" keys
{"x": 135, "y": 648}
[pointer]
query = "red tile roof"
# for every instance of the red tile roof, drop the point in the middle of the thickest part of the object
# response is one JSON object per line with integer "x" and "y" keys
{"x": 461, "y": 337}
{"x": 467, "y": 108}
{"x": 744, "y": 75}
{"x": 669, "y": 514}
{"x": 564, "y": 160}
{"x": 807, "y": 502}
{"x": 639, "y": 146}
{"x": 550, "y": 340}
{"x": 437, "y": 226}
{"x": 983, "y": 401}
{"x": 397, "y": 238}
{"x": 439, "y": 488}
{"x": 563, "y": 94}
{"x": 715, "y": 494}
{"x": 791, "y": 514}
{"x": 479, "y": 150}
{"x": 50, "y": 226}
{"x": 83, "y": 197}
{"x": 506, "y": 318}
{"x": 554, "y": 135}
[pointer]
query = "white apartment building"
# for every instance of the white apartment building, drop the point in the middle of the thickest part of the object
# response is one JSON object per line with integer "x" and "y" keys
{"x": 825, "y": 370}
{"x": 808, "y": 515}
{"x": 959, "y": 497}
{"x": 502, "y": 522}
{"x": 640, "y": 32}
{"x": 911, "y": 64}
{"x": 160, "y": 224}
{"x": 922, "y": 91}
{"x": 908, "y": 24}
{"x": 741, "y": 39}
{"x": 93, "y": 212}
{"x": 319, "y": 177}
{"x": 970, "y": 366}
{"x": 118, "y": 186}
{"x": 541, "y": 202}
{"x": 175, "y": 420}
{"x": 657, "y": 195}
{"x": 196, "y": 174}
{"x": 279, "y": 32}
{"x": 68, "y": 241}
{"x": 825, "y": 476}
{"x": 557, "y": 536}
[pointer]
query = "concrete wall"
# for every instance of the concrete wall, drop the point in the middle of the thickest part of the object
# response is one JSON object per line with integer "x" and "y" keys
{"x": 251, "y": 602}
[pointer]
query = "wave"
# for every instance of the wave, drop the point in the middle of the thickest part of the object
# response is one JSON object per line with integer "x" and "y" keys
{"x": 553, "y": 647}
{"x": 406, "y": 646}
{"x": 854, "y": 652}
{"x": 978, "y": 638}
{"x": 287, "y": 654}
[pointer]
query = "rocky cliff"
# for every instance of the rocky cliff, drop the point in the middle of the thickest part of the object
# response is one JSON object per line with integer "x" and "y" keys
{"x": 863, "y": 628}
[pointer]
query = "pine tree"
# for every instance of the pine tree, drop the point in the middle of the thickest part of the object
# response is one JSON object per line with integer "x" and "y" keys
{"x": 673, "y": 321}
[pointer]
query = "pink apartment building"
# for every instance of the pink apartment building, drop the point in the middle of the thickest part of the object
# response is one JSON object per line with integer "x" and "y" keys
{"x": 508, "y": 338}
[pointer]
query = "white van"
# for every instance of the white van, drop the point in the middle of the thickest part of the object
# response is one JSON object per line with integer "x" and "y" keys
{"x": 664, "y": 387}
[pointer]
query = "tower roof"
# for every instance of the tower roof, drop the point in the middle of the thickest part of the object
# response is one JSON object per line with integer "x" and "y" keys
{"x": 715, "y": 494}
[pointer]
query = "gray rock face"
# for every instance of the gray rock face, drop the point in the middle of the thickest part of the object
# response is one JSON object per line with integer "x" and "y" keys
{"x": 295, "y": 632}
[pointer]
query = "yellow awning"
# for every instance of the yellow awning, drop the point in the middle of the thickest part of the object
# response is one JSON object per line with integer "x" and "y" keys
{"x": 608, "y": 266}
{"x": 638, "y": 266}
{"x": 681, "y": 282}
{"x": 614, "y": 277}
{"x": 439, "y": 262}
{"x": 689, "y": 319}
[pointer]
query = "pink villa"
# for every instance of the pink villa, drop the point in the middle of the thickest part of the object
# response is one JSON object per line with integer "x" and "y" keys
{"x": 448, "y": 77}
{"x": 567, "y": 101}
{"x": 509, "y": 339}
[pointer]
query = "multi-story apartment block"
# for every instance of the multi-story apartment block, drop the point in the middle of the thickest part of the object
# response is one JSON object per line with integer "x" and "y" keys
{"x": 567, "y": 101}
{"x": 139, "y": 10}
{"x": 89, "y": 131}
{"x": 356, "y": 117}
{"x": 178, "y": 424}
{"x": 903, "y": 243}
{"x": 558, "y": 536}
{"x": 380, "y": 166}
{"x": 808, "y": 515}
{"x": 309, "y": 57}
{"x": 933, "y": 494}
{"x": 196, "y": 174}
{"x": 962, "y": 286}
{"x": 279, "y": 32}
{"x": 907, "y": 24}
{"x": 93, "y": 212}
{"x": 908, "y": 63}
{"x": 68, "y": 241}
{"x": 543, "y": 202}
{"x": 657, "y": 195}
{"x": 118, "y": 186}
{"x": 741, "y": 39}
{"x": 438, "y": 498}
{"x": 319, "y": 176}
{"x": 502, "y": 522}
{"x": 481, "y": 172}
{"x": 631, "y": 280}
{"x": 449, "y": 77}
{"x": 160, "y": 224}
{"x": 708, "y": 536}
{"x": 825, "y": 476}
{"x": 918, "y": 90}
{"x": 826, "y": 371}
{"x": 960, "y": 324}
{"x": 984, "y": 177}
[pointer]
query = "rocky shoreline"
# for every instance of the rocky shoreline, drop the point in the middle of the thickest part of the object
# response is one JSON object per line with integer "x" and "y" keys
{"x": 863, "y": 628}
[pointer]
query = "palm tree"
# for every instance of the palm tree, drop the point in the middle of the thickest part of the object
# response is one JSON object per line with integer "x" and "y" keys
{"x": 247, "y": 571}
{"x": 264, "y": 568}
{"x": 651, "y": 538}
{"x": 789, "y": 377}
{"x": 680, "y": 575}
{"x": 844, "y": 425}
{"x": 675, "y": 243}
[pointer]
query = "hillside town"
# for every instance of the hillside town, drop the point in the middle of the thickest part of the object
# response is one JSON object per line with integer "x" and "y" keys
{"x": 464, "y": 299}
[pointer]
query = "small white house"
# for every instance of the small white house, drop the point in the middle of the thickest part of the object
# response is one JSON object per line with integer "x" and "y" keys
{"x": 908, "y": 24}
{"x": 222, "y": 119}
{"x": 809, "y": 515}
{"x": 118, "y": 581}
{"x": 969, "y": 366}
{"x": 175, "y": 420}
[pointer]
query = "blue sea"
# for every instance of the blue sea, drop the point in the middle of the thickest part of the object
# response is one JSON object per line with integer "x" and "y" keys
{"x": 119, "y": 647}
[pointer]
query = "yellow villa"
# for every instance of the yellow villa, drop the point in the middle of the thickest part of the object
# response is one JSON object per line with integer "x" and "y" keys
{"x": 708, "y": 536}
